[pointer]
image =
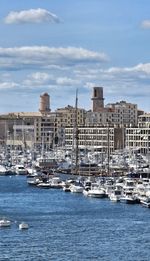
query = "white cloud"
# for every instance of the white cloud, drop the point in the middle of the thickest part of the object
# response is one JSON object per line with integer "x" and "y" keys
{"x": 140, "y": 70}
{"x": 40, "y": 77}
{"x": 67, "y": 81}
{"x": 45, "y": 57}
{"x": 145, "y": 24}
{"x": 31, "y": 16}
{"x": 8, "y": 85}
{"x": 37, "y": 79}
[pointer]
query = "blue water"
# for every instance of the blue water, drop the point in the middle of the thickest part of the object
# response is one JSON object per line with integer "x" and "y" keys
{"x": 65, "y": 226}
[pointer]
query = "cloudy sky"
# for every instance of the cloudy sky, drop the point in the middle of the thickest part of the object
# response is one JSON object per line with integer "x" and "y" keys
{"x": 59, "y": 46}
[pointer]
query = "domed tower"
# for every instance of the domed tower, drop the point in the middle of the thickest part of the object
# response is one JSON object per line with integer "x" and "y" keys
{"x": 98, "y": 100}
{"x": 44, "y": 103}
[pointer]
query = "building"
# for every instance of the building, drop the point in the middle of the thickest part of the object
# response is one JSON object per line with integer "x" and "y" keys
{"x": 139, "y": 138}
{"x": 99, "y": 138}
{"x": 123, "y": 113}
{"x": 66, "y": 116}
{"x": 119, "y": 114}
{"x": 29, "y": 129}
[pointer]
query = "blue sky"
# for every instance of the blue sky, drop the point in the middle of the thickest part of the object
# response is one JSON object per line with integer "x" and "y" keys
{"x": 59, "y": 46}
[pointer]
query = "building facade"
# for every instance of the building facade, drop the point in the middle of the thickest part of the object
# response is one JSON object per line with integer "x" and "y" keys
{"x": 139, "y": 138}
{"x": 99, "y": 138}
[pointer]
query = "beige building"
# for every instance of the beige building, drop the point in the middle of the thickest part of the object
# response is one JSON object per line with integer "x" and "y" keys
{"x": 27, "y": 129}
{"x": 30, "y": 129}
{"x": 37, "y": 129}
{"x": 123, "y": 113}
{"x": 98, "y": 138}
{"x": 139, "y": 138}
{"x": 119, "y": 114}
{"x": 68, "y": 115}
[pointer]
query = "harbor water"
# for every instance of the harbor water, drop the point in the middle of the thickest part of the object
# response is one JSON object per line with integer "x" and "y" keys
{"x": 69, "y": 227}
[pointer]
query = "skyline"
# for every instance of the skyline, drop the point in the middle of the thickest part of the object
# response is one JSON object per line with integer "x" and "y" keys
{"x": 58, "y": 48}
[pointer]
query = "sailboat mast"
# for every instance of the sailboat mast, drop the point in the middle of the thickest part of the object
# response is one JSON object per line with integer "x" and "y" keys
{"x": 76, "y": 134}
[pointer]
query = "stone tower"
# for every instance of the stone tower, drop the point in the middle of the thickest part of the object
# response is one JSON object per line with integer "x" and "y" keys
{"x": 44, "y": 103}
{"x": 98, "y": 100}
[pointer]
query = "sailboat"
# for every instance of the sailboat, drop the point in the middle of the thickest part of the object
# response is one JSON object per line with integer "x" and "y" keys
{"x": 75, "y": 148}
{"x": 76, "y": 187}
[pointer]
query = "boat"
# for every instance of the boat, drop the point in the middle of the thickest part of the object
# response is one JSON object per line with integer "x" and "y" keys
{"x": 23, "y": 225}
{"x": 43, "y": 184}
{"x": 129, "y": 198}
{"x": 4, "y": 170}
{"x": 20, "y": 170}
{"x": 56, "y": 182}
{"x": 5, "y": 223}
{"x": 66, "y": 188}
{"x": 77, "y": 187}
{"x": 89, "y": 169}
{"x": 67, "y": 184}
{"x": 115, "y": 195}
{"x": 96, "y": 191}
{"x": 33, "y": 181}
{"x": 145, "y": 202}
{"x": 45, "y": 163}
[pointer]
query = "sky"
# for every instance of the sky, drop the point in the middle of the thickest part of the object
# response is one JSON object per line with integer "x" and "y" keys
{"x": 58, "y": 47}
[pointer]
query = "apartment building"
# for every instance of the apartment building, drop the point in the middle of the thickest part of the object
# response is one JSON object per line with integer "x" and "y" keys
{"x": 96, "y": 137}
{"x": 117, "y": 114}
{"x": 139, "y": 138}
{"x": 68, "y": 115}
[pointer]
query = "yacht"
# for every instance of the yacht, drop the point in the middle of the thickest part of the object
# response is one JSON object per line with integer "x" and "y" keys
{"x": 67, "y": 184}
{"x": 145, "y": 202}
{"x": 44, "y": 184}
{"x": 129, "y": 198}
{"x": 56, "y": 182}
{"x": 33, "y": 181}
{"x": 76, "y": 187}
{"x": 23, "y": 225}
{"x": 5, "y": 223}
{"x": 20, "y": 170}
{"x": 115, "y": 195}
{"x": 96, "y": 191}
{"x": 4, "y": 170}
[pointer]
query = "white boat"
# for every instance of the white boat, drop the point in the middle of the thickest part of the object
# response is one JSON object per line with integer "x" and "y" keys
{"x": 115, "y": 195}
{"x": 20, "y": 170}
{"x": 23, "y": 225}
{"x": 76, "y": 188}
{"x": 33, "y": 181}
{"x": 129, "y": 198}
{"x": 44, "y": 184}
{"x": 56, "y": 182}
{"x": 3, "y": 170}
{"x": 5, "y": 223}
{"x": 145, "y": 201}
{"x": 96, "y": 191}
{"x": 66, "y": 187}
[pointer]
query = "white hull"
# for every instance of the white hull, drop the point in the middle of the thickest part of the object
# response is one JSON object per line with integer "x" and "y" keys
{"x": 96, "y": 193}
{"x": 5, "y": 223}
{"x": 23, "y": 226}
{"x": 114, "y": 198}
{"x": 76, "y": 189}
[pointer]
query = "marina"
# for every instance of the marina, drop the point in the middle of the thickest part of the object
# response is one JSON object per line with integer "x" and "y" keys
{"x": 69, "y": 226}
